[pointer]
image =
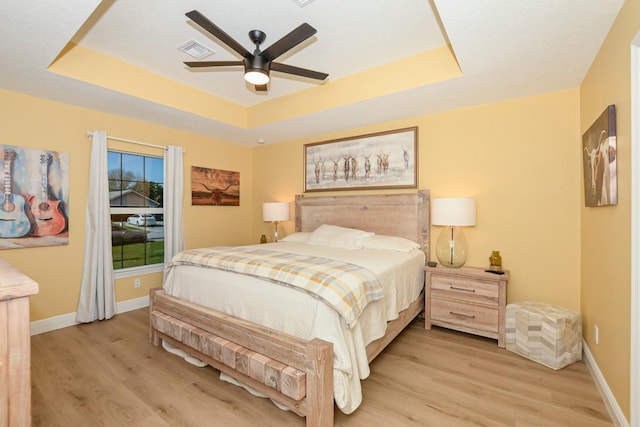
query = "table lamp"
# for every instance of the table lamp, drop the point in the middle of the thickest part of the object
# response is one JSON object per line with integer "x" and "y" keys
{"x": 453, "y": 213}
{"x": 275, "y": 212}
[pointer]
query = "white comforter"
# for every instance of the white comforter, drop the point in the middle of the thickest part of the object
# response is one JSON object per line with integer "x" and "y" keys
{"x": 299, "y": 314}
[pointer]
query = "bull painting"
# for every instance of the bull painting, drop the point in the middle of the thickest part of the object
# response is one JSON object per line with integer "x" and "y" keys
{"x": 599, "y": 161}
{"x": 214, "y": 187}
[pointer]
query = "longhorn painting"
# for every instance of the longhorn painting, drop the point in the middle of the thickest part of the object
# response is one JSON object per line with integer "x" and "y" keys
{"x": 599, "y": 159}
{"x": 214, "y": 187}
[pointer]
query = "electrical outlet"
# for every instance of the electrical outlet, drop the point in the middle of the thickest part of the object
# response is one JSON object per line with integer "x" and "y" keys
{"x": 596, "y": 333}
{"x": 137, "y": 282}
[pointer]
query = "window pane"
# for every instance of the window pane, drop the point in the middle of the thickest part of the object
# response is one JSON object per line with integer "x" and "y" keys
{"x": 115, "y": 195}
{"x": 154, "y": 193}
{"x": 133, "y": 194}
{"x": 154, "y": 170}
{"x": 155, "y": 252}
{"x": 132, "y": 167}
{"x": 114, "y": 165}
{"x": 127, "y": 242}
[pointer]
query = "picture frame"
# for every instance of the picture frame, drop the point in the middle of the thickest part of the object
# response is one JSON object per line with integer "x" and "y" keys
{"x": 34, "y": 203}
{"x": 599, "y": 160}
{"x": 214, "y": 187}
{"x": 381, "y": 160}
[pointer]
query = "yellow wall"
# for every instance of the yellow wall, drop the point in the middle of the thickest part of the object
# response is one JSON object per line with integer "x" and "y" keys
{"x": 606, "y": 231}
{"x": 37, "y": 123}
{"x": 519, "y": 159}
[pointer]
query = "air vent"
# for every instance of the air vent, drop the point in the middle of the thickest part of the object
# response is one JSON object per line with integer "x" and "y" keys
{"x": 303, "y": 3}
{"x": 196, "y": 49}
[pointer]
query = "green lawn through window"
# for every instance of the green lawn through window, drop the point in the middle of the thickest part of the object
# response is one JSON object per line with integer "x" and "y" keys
{"x": 133, "y": 255}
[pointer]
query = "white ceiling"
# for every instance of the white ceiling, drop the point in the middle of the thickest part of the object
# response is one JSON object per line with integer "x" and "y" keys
{"x": 506, "y": 49}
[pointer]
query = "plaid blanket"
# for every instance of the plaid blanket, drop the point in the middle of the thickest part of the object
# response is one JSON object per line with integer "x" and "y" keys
{"x": 347, "y": 288}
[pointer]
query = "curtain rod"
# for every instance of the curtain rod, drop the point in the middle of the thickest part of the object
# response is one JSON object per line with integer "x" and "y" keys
{"x": 164, "y": 147}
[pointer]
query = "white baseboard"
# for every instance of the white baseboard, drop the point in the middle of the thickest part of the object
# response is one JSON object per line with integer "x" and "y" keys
{"x": 53, "y": 323}
{"x": 609, "y": 399}
{"x": 66, "y": 320}
{"x": 132, "y": 304}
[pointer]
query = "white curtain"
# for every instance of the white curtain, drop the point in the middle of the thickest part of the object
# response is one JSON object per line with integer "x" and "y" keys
{"x": 97, "y": 295}
{"x": 172, "y": 199}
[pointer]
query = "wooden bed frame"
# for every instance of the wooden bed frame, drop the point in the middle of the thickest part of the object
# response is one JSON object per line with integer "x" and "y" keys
{"x": 291, "y": 371}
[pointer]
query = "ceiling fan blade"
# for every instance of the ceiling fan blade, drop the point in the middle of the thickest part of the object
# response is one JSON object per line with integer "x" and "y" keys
{"x": 261, "y": 88}
{"x": 212, "y": 63}
{"x": 303, "y": 72}
{"x": 217, "y": 32}
{"x": 289, "y": 41}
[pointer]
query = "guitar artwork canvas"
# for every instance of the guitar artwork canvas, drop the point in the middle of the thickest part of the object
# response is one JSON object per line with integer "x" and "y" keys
{"x": 34, "y": 204}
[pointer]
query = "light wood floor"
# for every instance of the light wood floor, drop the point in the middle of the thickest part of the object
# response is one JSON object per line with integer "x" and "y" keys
{"x": 107, "y": 374}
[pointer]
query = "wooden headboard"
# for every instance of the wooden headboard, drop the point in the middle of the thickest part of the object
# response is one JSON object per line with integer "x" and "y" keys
{"x": 403, "y": 215}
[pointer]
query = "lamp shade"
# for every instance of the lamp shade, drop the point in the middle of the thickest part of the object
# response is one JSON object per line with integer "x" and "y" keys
{"x": 459, "y": 212}
{"x": 275, "y": 211}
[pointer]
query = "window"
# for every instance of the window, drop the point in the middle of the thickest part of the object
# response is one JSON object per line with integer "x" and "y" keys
{"x": 137, "y": 214}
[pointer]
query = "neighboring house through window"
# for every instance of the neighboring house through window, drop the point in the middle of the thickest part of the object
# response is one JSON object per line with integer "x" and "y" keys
{"x": 137, "y": 215}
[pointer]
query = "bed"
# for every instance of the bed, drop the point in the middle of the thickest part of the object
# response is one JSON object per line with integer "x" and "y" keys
{"x": 268, "y": 352}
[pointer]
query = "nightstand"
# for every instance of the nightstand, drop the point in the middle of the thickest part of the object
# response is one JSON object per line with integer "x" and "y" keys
{"x": 466, "y": 299}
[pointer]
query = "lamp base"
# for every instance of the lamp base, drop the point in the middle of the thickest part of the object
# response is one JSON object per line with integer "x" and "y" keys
{"x": 451, "y": 247}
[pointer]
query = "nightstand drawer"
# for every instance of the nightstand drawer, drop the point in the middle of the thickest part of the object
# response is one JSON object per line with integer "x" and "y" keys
{"x": 466, "y": 299}
{"x": 467, "y": 316}
{"x": 462, "y": 288}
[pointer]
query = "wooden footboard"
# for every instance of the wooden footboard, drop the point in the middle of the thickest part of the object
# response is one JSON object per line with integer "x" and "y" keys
{"x": 293, "y": 372}
{"x": 271, "y": 362}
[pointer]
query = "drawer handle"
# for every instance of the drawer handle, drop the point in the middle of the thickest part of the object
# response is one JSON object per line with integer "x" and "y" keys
{"x": 454, "y": 288}
{"x": 468, "y": 316}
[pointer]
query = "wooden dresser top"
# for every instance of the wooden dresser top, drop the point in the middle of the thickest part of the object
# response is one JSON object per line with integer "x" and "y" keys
{"x": 15, "y": 284}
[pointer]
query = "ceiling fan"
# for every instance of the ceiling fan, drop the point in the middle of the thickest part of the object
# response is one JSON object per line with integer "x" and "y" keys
{"x": 258, "y": 64}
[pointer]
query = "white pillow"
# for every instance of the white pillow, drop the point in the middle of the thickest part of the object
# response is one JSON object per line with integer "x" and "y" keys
{"x": 390, "y": 243}
{"x": 300, "y": 236}
{"x": 339, "y": 237}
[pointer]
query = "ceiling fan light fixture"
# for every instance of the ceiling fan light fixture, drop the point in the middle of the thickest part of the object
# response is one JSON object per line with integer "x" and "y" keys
{"x": 256, "y": 70}
{"x": 256, "y": 77}
{"x": 258, "y": 64}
